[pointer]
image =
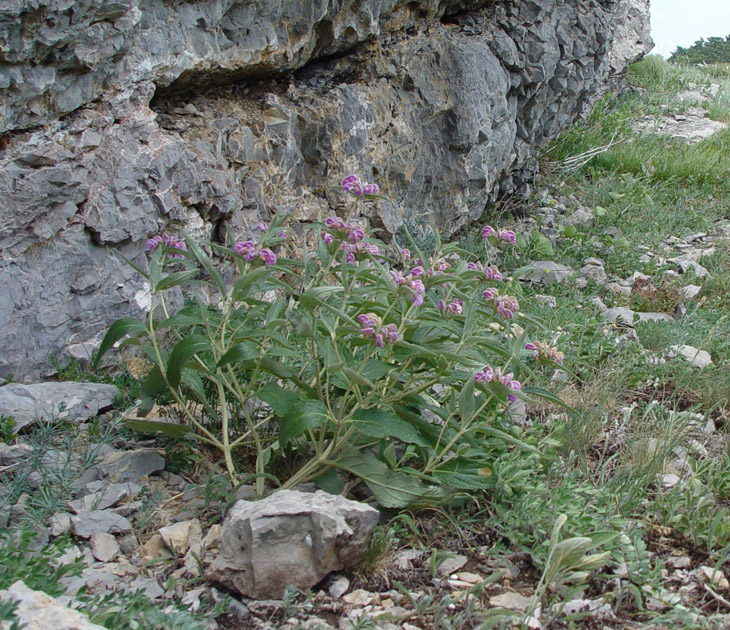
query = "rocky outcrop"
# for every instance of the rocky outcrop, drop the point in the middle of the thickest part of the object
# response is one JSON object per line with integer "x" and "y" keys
{"x": 121, "y": 118}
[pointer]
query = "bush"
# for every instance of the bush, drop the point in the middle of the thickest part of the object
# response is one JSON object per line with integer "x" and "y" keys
{"x": 348, "y": 360}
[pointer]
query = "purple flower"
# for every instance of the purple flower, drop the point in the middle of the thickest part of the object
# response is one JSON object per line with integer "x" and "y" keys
{"x": 484, "y": 375}
{"x": 488, "y": 231}
{"x": 268, "y": 256}
{"x": 349, "y": 183}
{"x": 487, "y": 375}
{"x": 416, "y": 272}
{"x": 328, "y": 238}
{"x": 507, "y": 235}
{"x": 335, "y": 223}
{"x": 391, "y": 331}
{"x": 475, "y": 266}
{"x": 491, "y": 294}
{"x": 442, "y": 305}
{"x": 371, "y": 189}
{"x": 355, "y": 233}
{"x": 246, "y": 249}
{"x": 281, "y": 234}
{"x": 406, "y": 253}
{"x": 541, "y": 350}
{"x": 397, "y": 277}
{"x": 261, "y": 227}
{"x": 493, "y": 273}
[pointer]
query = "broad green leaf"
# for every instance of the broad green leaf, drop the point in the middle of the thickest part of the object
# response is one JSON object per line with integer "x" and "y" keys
{"x": 185, "y": 350}
{"x": 542, "y": 245}
{"x": 375, "y": 369}
{"x": 391, "y": 488}
{"x": 520, "y": 242}
{"x": 381, "y": 424}
{"x": 296, "y": 414}
{"x": 244, "y": 351}
{"x": 329, "y": 481}
{"x": 120, "y": 328}
{"x": 152, "y": 386}
{"x": 570, "y": 231}
{"x": 170, "y": 429}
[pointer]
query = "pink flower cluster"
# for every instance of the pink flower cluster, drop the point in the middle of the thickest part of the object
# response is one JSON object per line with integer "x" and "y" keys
{"x": 490, "y": 271}
{"x": 506, "y": 305}
{"x": 488, "y": 375}
{"x": 501, "y": 235}
{"x": 542, "y": 350}
{"x": 456, "y": 307}
{"x": 249, "y": 250}
{"x": 169, "y": 241}
{"x": 372, "y": 327}
{"x": 413, "y": 281}
{"x": 353, "y": 184}
{"x": 351, "y": 237}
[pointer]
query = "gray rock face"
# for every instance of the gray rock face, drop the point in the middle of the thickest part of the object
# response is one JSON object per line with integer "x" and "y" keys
{"x": 39, "y": 611}
{"x": 86, "y": 523}
{"x": 126, "y": 466}
{"x": 74, "y": 402}
{"x": 259, "y": 107}
{"x": 290, "y": 538}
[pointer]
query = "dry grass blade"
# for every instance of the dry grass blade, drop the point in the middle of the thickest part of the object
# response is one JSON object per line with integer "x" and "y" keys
{"x": 575, "y": 162}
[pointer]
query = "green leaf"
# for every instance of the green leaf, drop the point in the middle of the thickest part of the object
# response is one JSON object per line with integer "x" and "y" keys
{"x": 329, "y": 481}
{"x": 546, "y": 395}
{"x": 120, "y": 328}
{"x": 176, "y": 279}
{"x": 570, "y": 231}
{"x": 244, "y": 351}
{"x": 381, "y": 424}
{"x": 542, "y": 245}
{"x": 391, "y": 488}
{"x": 520, "y": 242}
{"x": 203, "y": 259}
{"x": 296, "y": 414}
{"x": 185, "y": 350}
{"x": 466, "y": 401}
{"x": 153, "y": 385}
{"x": 170, "y": 429}
{"x": 357, "y": 378}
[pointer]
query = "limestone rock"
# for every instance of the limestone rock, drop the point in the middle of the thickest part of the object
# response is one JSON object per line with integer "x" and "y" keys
{"x": 39, "y": 611}
{"x": 86, "y": 523}
{"x": 70, "y": 401}
{"x": 104, "y": 546}
{"x": 179, "y": 537}
{"x": 698, "y": 358}
{"x": 93, "y": 163}
{"x": 290, "y": 538}
{"x": 126, "y": 466}
{"x": 546, "y": 272}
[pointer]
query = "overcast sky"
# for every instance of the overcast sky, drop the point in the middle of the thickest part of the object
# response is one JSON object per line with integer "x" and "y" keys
{"x": 682, "y": 22}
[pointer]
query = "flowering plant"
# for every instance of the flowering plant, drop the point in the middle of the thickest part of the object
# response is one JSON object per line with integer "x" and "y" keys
{"x": 354, "y": 361}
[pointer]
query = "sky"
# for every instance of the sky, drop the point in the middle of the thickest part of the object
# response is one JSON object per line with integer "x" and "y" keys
{"x": 682, "y": 22}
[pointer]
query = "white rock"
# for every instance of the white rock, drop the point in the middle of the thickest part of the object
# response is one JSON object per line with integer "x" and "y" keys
{"x": 39, "y": 611}
{"x": 104, "y": 546}
{"x": 511, "y": 601}
{"x": 698, "y": 358}
{"x": 179, "y": 537}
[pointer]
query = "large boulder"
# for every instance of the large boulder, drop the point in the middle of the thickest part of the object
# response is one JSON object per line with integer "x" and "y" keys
{"x": 290, "y": 538}
{"x": 120, "y": 119}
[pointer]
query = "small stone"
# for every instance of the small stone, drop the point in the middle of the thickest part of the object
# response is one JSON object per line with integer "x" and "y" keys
{"x": 679, "y": 562}
{"x": 85, "y": 524}
{"x": 104, "y": 546}
{"x": 155, "y": 548}
{"x": 690, "y": 292}
{"x": 469, "y": 578}
{"x": 126, "y": 466}
{"x": 699, "y": 358}
{"x": 452, "y": 565}
{"x": 713, "y": 577}
{"x": 109, "y": 496}
{"x": 546, "y": 272}
{"x": 511, "y": 601}
{"x": 60, "y": 523}
{"x": 150, "y": 586}
{"x": 582, "y": 216}
{"x": 359, "y": 597}
{"x": 179, "y": 537}
{"x": 338, "y": 586}
{"x": 598, "y": 303}
{"x": 669, "y": 480}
